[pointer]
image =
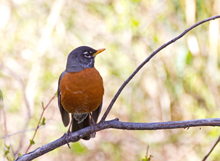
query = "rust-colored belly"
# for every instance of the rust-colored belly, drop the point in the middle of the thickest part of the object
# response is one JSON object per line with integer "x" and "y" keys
{"x": 81, "y": 92}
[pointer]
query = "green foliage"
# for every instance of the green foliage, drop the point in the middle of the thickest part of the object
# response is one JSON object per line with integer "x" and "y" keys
{"x": 43, "y": 122}
{"x": 8, "y": 153}
{"x": 147, "y": 158}
{"x": 78, "y": 149}
{"x": 32, "y": 142}
{"x": 42, "y": 104}
{"x": 7, "y": 150}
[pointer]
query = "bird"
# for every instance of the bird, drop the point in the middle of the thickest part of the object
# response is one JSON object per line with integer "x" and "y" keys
{"x": 80, "y": 90}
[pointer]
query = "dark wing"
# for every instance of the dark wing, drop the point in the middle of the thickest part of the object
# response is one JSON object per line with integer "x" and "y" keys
{"x": 95, "y": 114}
{"x": 64, "y": 113}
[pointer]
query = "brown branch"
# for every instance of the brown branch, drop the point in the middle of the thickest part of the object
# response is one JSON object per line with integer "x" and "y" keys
{"x": 4, "y": 118}
{"x": 18, "y": 132}
{"x": 73, "y": 137}
{"x": 21, "y": 82}
{"x": 38, "y": 125}
{"x": 148, "y": 59}
{"x": 212, "y": 148}
{"x": 3, "y": 112}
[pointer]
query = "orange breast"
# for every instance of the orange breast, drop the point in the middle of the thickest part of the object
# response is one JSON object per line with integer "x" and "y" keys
{"x": 81, "y": 92}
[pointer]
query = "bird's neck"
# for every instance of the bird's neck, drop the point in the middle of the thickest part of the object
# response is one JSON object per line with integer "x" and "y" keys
{"x": 72, "y": 69}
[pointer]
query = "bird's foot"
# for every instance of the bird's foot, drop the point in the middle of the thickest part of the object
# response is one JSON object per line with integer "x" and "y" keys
{"x": 68, "y": 133}
{"x": 65, "y": 136}
{"x": 93, "y": 125}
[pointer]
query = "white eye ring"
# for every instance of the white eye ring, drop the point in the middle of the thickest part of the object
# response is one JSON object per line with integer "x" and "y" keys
{"x": 87, "y": 55}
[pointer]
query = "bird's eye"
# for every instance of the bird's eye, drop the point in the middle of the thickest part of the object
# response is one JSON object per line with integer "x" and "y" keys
{"x": 87, "y": 55}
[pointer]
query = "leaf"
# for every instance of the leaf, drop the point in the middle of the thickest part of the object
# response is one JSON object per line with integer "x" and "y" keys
{"x": 43, "y": 121}
{"x": 42, "y": 104}
{"x": 146, "y": 156}
{"x": 8, "y": 147}
{"x": 7, "y": 151}
{"x": 32, "y": 142}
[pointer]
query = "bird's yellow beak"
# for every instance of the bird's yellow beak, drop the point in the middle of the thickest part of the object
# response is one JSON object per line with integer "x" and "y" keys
{"x": 98, "y": 52}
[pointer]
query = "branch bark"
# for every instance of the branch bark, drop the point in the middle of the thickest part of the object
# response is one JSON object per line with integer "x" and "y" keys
{"x": 116, "y": 124}
{"x": 212, "y": 148}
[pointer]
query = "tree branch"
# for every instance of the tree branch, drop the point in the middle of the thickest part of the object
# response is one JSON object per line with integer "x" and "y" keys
{"x": 212, "y": 148}
{"x": 148, "y": 59}
{"x": 38, "y": 125}
{"x": 73, "y": 137}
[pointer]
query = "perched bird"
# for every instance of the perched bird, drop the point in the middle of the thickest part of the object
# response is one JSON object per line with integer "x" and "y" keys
{"x": 80, "y": 90}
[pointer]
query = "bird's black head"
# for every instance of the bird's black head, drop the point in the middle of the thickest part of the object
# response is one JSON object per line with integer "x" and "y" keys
{"x": 81, "y": 58}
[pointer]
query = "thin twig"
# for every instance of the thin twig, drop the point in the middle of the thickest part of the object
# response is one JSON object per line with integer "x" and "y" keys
{"x": 4, "y": 115}
{"x": 73, "y": 137}
{"x": 148, "y": 59}
{"x": 212, "y": 148}
{"x": 21, "y": 82}
{"x": 19, "y": 132}
{"x": 3, "y": 112}
{"x": 38, "y": 125}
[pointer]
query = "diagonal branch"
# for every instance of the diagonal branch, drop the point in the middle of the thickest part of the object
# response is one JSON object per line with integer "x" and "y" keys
{"x": 38, "y": 125}
{"x": 148, "y": 59}
{"x": 73, "y": 137}
{"x": 212, "y": 148}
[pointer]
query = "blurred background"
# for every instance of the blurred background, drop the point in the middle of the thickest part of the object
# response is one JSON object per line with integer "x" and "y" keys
{"x": 182, "y": 82}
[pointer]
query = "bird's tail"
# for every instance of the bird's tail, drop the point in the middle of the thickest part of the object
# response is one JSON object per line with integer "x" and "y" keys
{"x": 85, "y": 123}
